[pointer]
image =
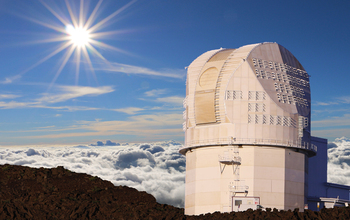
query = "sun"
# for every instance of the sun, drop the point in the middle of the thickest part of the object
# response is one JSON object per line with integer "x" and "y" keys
{"x": 79, "y": 36}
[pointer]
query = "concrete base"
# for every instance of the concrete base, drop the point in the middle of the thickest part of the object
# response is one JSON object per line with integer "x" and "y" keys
{"x": 276, "y": 175}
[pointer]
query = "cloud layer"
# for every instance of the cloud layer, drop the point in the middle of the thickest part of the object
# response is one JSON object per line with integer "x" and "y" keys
{"x": 339, "y": 161}
{"x": 156, "y": 168}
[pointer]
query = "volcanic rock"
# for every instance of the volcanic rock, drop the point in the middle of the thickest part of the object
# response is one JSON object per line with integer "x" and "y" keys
{"x": 57, "y": 193}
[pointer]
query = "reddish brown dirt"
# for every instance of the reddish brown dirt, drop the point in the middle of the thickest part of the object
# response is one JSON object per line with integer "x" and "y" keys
{"x": 30, "y": 193}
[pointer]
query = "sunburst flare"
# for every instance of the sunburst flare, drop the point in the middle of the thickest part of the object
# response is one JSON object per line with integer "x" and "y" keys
{"x": 78, "y": 37}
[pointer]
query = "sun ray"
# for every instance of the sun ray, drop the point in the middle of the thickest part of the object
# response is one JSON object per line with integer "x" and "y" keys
{"x": 81, "y": 14}
{"x": 100, "y": 44}
{"x": 67, "y": 55}
{"x": 75, "y": 23}
{"x": 77, "y": 67}
{"x": 86, "y": 55}
{"x": 95, "y": 51}
{"x": 54, "y": 13}
{"x": 77, "y": 37}
{"x": 62, "y": 47}
{"x": 108, "y": 33}
{"x": 49, "y": 40}
{"x": 92, "y": 16}
{"x": 58, "y": 29}
{"x": 99, "y": 24}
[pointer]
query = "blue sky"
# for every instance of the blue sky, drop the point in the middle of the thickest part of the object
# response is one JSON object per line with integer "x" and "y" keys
{"x": 134, "y": 91}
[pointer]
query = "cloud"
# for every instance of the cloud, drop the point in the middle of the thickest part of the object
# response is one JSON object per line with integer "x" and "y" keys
{"x": 156, "y": 168}
{"x": 177, "y": 100}
{"x": 63, "y": 93}
{"x": 339, "y": 161}
{"x": 145, "y": 127}
{"x": 333, "y": 121}
{"x": 108, "y": 143}
{"x": 155, "y": 92}
{"x": 129, "y": 111}
{"x": 13, "y": 104}
{"x": 8, "y": 96}
{"x": 331, "y": 133}
{"x": 9, "y": 80}
{"x": 129, "y": 69}
{"x": 71, "y": 92}
{"x": 326, "y": 103}
{"x": 344, "y": 99}
{"x": 339, "y": 100}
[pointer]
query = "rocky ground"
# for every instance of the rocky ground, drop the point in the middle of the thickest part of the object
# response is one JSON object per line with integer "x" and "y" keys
{"x": 57, "y": 193}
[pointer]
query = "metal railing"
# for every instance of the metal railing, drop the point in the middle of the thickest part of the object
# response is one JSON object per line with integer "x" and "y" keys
{"x": 230, "y": 158}
{"x": 238, "y": 189}
{"x": 250, "y": 141}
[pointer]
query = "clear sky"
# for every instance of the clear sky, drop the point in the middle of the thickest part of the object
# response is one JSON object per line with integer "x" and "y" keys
{"x": 129, "y": 82}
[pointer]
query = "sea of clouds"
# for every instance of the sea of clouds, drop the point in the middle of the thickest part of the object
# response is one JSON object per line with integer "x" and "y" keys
{"x": 339, "y": 161}
{"x": 157, "y": 168}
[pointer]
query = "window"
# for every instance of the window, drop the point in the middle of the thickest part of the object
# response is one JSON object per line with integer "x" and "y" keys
{"x": 285, "y": 78}
{"x": 268, "y": 75}
{"x": 238, "y": 95}
{"x": 290, "y": 100}
{"x": 233, "y": 94}
{"x": 285, "y": 121}
{"x": 257, "y": 107}
{"x": 284, "y": 99}
{"x": 287, "y": 88}
{"x": 281, "y": 88}
{"x": 257, "y": 73}
{"x": 278, "y": 76}
{"x": 266, "y": 64}
{"x": 279, "y": 97}
{"x": 250, "y": 95}
{"x": 278, "y": 121}
{"x": 277, "y": 68}
{"x": 255, "y": 62}
{"x": 293, "y": 123}
{"x": 260, "y": 95}
{"x": 273, "y": 76}
{"x": 229, "y": 95}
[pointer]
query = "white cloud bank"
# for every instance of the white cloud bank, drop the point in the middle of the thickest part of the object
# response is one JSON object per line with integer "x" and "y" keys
{"x": 156, "y": 168}
{"x": 339, "y": 161}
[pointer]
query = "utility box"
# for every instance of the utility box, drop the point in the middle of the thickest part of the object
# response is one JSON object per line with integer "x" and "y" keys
{"x": 242, "y": 203}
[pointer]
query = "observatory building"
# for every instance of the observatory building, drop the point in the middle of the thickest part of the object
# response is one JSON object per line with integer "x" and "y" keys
{"x": 247, "y": 130}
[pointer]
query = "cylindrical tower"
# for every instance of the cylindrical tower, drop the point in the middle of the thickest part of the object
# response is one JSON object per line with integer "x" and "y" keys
{"x": 247, "y": 129}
